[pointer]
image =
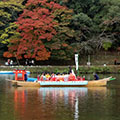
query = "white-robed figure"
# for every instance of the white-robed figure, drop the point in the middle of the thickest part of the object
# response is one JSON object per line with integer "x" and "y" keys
{"x": 73, "y": 73}
{"x": 11, "y": 62}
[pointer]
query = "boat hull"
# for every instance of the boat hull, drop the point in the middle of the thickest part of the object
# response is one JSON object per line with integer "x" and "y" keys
{"x": 25, "y": 84}
{"x": 62, "y": 83}
{"x": 98, "y": 83}
{"x": 93, "y": 83}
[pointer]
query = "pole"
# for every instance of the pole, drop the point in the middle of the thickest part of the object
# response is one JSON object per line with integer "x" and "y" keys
{"x": 76, "y": 62}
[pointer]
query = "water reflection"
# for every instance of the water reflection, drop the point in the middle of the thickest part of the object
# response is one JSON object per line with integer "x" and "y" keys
{"x": 20, "y": 103}
{"x": 24, "y": 102}
{"x": 57, "y": 103}
{"x": 49, "y": 100}
{"x": 68, "y": 94}
{"x": 51, "y": 103}
{"x": 102, "y": 103}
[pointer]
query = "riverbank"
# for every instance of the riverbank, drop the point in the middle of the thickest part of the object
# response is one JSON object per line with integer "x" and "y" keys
{"x": 99, "y": 58}
{"x": 109, "y": 69}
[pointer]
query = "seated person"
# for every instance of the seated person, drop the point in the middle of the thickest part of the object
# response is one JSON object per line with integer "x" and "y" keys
{"x": 71, "y": 77}
{"x": 38, "y": 77}
{"x": 47, "y": 76}
{"x": 53, "y": 77}
{"x": 59, "y": 77}
{"x": 79, "y": 78}
{"x": 43, "y": 77}
{"x": 83, "y": 78}
{"x": 26, "y": 77}
{"x": 96, "y": 77}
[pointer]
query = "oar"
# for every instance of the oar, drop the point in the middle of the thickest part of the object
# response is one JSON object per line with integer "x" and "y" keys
{"x": 112, "y": 78}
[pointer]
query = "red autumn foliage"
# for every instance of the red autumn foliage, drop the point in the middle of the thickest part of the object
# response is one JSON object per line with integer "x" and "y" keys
{"x": 7, "y": 54}
{"x": 36, "y": 28}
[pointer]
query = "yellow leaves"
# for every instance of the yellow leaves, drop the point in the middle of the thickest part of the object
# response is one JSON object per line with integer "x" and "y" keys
{"x": 3, "y": 36}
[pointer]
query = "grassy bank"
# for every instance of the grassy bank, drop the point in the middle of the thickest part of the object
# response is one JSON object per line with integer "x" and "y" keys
{"x": 82, "y": 69}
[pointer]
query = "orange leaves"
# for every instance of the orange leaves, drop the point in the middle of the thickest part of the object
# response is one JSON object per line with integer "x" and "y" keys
{"x": 43, "y": 11}
{"x": 42, "y": 55}
{"x": 47, "y": 36}
{"x": 64, "y": 45}
{"x": 36, "y": 27}
{"x": 8, "y": 55}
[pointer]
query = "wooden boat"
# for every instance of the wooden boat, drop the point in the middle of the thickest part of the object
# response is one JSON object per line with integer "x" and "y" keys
{"x": 48, "y": 83}
{"x": 98, "y": 83}
{"x": 24, "y": 83}
{"x": 93, "y": 83}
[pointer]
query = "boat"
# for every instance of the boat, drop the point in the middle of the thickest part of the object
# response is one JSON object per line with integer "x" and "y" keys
{"x": 24, "y": 83}
{"x": 99, "y": 83}
{"x": 11, "y": 72}
{"x": 85, "y": 83}
{"x": 59, "y": 81}
{"x": 22, "y": 80}
{"x": 47, "y": 83}
{"x": 92, "y": 83}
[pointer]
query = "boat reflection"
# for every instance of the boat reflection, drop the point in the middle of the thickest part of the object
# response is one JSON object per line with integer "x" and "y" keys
{"x": 45, "y": 100}
{"x": 66, "y": 94}
{"x": 52, "y": 102}
{"x": 22, "y": 97}
{"x": 98, "y": 91}
{"x": 70, "y": 96}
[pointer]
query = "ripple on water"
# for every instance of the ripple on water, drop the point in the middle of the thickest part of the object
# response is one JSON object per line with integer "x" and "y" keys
{"x": 58, "y": 103}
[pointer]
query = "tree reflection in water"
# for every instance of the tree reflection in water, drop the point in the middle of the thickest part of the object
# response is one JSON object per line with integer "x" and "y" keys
{"x": 47, "y": 97}
{"x": 51, "y": 103}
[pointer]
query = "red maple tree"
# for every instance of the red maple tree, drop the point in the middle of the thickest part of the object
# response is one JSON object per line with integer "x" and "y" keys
{"x": 36, "y": 28}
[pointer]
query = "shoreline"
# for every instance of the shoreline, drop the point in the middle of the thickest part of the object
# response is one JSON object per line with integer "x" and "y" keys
{"x": 83, "y": 69}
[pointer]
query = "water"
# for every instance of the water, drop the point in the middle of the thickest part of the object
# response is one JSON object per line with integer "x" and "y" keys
{"x": 101, "y": 103}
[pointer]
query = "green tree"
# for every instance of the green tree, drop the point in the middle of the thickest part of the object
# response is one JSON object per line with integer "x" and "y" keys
{"x": 63, "y": 38}
{"x": 9, "y": 12}
{"x": 100, "y": 23}
{"x": 110, "y": 26}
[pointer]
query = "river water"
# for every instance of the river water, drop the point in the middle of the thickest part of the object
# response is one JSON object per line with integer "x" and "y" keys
{"x": 100, "y": 103}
